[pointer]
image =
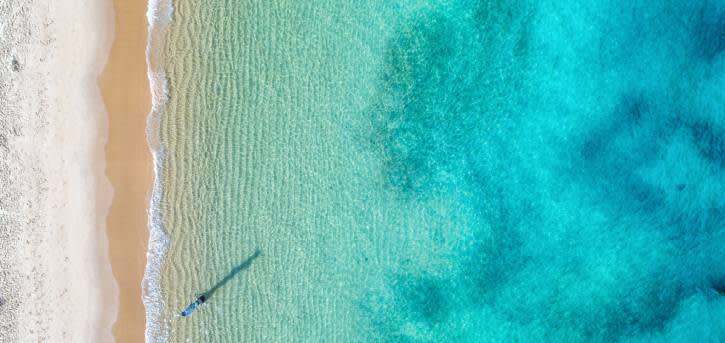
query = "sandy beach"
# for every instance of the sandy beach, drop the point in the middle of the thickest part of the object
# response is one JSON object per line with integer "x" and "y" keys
{"x": 56, "y": 283}
{"x": 126, "y": 94}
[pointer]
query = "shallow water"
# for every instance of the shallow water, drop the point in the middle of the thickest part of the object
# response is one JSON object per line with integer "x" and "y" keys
{"x": 438, "y": 171}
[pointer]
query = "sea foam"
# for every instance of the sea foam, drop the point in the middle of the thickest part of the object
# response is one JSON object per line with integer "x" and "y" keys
{"x": 159, "y": 16}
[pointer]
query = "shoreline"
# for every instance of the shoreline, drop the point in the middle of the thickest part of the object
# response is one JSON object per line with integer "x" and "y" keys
{"x": 126, "y": 93}
{"x": 55, "y": 280}
{"x": 159, "y": 16}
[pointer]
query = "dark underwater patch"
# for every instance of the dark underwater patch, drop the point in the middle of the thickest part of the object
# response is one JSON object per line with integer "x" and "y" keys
{"x": 719, "y": 287}
{"x": 493, "y": 265}
{"x": 632, "y": 137}
{"x": 423, "y": 299}
{"x": 497, "y": 258}
{"x": 710, "y": 142}
{"x": 444, "y": 82}
{"x": 428, "y": 111}
{"x": 709, "y": 30}
{"x": 647, "y": 308}
{"x": 419, "y": 300}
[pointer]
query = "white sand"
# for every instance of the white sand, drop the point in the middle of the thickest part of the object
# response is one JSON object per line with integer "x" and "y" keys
{"x": 55, "y": 279}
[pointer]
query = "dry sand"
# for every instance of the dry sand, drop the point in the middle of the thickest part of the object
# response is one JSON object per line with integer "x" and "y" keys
{"x": 126, "y": 93}
{"x": 56, "y": 283}
{"x": 55, "y": 278}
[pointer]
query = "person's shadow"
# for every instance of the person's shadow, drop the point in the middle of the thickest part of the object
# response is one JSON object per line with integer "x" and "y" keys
{"x": 242, "y": 266}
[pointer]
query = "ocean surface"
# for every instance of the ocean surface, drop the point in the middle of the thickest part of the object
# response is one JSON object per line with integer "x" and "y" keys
{"x": 438, "y": 171}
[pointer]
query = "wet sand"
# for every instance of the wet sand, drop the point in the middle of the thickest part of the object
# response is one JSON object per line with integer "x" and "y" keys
{"x": 125, "y": 88}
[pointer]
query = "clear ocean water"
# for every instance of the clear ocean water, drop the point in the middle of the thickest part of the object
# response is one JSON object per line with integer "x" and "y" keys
{"x": 441, "y": 171}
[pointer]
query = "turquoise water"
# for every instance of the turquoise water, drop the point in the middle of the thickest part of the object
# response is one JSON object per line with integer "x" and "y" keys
{"x": 443, "y": 171}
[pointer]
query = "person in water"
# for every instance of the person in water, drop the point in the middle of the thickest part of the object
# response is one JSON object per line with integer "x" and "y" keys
{"x": 193, "y": 306}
